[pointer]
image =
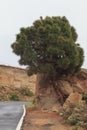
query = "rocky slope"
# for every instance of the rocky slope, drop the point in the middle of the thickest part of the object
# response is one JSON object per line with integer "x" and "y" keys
{"x": 68, "y": 85}
{"x": 73, "y": 113}
{"x": 13, "y": 79}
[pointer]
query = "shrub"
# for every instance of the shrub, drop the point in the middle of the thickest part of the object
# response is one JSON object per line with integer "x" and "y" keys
{"x": 76, "y": 115}
{"x": 76, "y": 128}
{"x": 14, "y": 97}
{"x": 26, "y": 92}
{"x": 73, "y": 121}
{"x": 67, "y": 113}
{"x": 84, "y": 96}
{"x": 32, "y": 107}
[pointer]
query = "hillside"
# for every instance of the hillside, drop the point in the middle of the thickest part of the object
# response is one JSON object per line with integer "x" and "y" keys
{"x": 13, "y": 80}
{"x": 48, "y": 112}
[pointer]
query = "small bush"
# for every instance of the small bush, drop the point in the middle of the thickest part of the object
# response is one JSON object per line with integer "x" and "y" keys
{"x": 84, "y": 96}
{"x": 32, "y": 107}
{"x": 67, "y": 113}
{"x": 76, "y": 128}
{"x": 76, "y": 115}
{"x": 14, "y": 97}
{"x": 26, "y": 92}
{"x": 73, "y": 121}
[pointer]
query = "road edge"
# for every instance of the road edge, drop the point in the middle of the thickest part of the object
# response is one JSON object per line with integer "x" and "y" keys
{"x": 21, "y": 119}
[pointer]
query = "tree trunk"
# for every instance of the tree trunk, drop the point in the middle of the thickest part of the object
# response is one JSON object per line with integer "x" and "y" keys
{"x": 58, "y": 92}
{"x": 47, "y": 94}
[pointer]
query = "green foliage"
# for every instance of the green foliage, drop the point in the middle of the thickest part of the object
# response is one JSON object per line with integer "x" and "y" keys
{"x": 26, "y": 92}
{"x": 84, "y": 96}
{"x": 49, "y": 46}
{"x": 76, "y": 115}
{"x": 31, "y": 106}
{"x": 14, "y": 97}
{"x": 73, "y": 121}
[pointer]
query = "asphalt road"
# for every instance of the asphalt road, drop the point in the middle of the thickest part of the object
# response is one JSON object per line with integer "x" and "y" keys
{"x": 10, "y": 114}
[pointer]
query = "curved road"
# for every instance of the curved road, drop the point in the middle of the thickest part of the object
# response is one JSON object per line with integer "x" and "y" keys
{"x": 10, "y": 114}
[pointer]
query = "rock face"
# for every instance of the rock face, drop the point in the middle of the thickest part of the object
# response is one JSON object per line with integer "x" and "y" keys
{"x": 74, "y": 98}
{"x": 65, "y": 87}
{"x": 70, "y": 86}
{"x": 16, "y": 77}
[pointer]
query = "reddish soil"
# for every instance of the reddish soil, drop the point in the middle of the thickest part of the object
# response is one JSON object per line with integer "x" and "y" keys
{"x": 40, "y": 120}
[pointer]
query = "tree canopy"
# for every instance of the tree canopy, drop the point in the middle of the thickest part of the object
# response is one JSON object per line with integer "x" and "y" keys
{"x": 49, "y": 46}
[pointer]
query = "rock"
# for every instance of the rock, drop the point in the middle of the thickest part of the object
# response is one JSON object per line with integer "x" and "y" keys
{"x": 68, "y": 85}
{"x": 74, "y": 98}
{"x": 65, "y": 87}
{"x": 56, "y": 108}
{"x": 78, "y": 87}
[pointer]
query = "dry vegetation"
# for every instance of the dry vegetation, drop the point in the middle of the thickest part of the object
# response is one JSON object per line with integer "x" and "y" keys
{"x": 15, "y": 84}
{"x": 16, "y": 94}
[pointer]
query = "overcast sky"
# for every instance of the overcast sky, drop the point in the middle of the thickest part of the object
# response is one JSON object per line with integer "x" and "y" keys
{"x": 15, "y": 14}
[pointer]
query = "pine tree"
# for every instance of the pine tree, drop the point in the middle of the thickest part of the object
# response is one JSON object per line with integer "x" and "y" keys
{"x": 49, "y": 47}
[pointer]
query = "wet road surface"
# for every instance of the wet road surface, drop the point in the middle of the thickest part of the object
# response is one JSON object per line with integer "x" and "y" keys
{"x": 10, "y": 114}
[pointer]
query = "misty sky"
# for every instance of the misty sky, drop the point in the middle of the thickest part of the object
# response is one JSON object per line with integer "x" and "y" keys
{"x": 15, "y": 14}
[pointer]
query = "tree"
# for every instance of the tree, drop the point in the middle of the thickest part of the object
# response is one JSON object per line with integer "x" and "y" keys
{"x": 49, "y": 47}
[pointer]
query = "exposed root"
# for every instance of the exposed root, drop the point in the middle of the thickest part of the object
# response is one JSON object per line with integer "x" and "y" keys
{"x": 58, "y": 93}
